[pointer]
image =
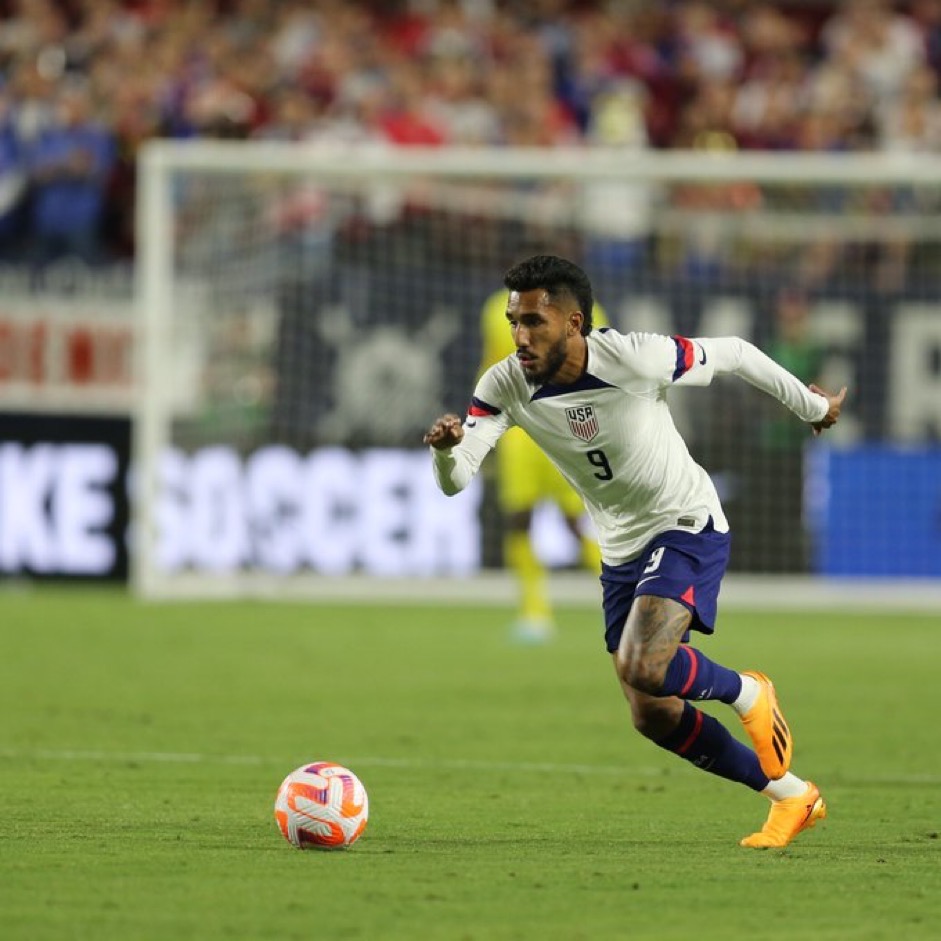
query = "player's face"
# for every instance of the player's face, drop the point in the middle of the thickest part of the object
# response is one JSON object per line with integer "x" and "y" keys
{"x": 541, "y": 331}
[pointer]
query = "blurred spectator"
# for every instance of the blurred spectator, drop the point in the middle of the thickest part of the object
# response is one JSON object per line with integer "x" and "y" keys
{"x": 69, "y": 166}
{"x": 913, "y": 123}
{"x": 615, "y": 214}
{"x": 702, "y": 248}
{"x": 778, "y": 499}
{"x": 293, "y": 115}
{"x": 837, "y": 110}
{"x": 772, "y": 92}
{"x": 32, "y": 96}
{"x": 927, "y": 16}
{"x": 756, "y": 75}
{"x": 878, "y": 45}
{"x": 293, "y": 38}
{"x": 457, "y": 105}
{"x": 767, "y": 107}
{"x": 39, "y": 29}
{"x": 706, "y": 121}
{"x": 710, "y": 47}
{"x": 12, "y": 184}
{"x": 912, "y": 126}
{"x": 407, "y": 119}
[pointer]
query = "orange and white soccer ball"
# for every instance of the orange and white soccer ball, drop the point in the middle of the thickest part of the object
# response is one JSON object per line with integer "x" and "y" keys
{"x": 322, "y": 806}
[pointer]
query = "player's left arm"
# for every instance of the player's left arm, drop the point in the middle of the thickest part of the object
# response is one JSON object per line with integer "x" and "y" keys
{"x": 833, "y": 412}
{"x": 735, "y": 356}
{"x": 682, "y": 361}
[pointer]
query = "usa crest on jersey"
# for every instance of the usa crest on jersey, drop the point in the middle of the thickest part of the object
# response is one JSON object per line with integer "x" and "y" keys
{"x": 582, "y": 421}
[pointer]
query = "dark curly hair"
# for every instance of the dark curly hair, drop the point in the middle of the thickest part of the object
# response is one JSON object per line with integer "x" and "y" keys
{"x": 557, "y": 277}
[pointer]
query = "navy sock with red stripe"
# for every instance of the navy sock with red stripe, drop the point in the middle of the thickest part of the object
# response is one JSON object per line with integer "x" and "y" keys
{"x": 708, "y": 744}
{"x": 692, "y": 675}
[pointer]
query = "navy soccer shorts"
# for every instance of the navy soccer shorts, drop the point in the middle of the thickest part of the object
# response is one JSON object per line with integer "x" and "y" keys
{"x": 686, "y": 567}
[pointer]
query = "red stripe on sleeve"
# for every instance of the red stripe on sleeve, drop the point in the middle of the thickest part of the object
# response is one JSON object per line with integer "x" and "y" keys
{"x": 480, "y": 409}
{"x": 685, "y": 356}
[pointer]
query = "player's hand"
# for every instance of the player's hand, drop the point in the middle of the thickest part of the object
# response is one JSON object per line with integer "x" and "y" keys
{"x": 833, "y": 412}
{"x": 446, "y": 432}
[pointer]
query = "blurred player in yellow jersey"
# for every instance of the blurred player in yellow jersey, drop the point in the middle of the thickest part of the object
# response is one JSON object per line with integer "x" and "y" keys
{"x": 526, "y": 478}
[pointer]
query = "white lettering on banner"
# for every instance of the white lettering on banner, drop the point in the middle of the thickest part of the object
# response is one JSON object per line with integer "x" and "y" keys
{"x": 331, "y": 496}
{"x": 81, "y": 509}
{"x": 273, "y": 489}
{"x": 445, "y": 531}
{"x": 385, "y": 529}
{"x": 26, "y": 538}
{"x": 333, "y": 511}
{"x": 54, "y": 508}
{"x": 173, "y": 551}
{"x": 915, "y": 393}
{"x": 218, "y": 524}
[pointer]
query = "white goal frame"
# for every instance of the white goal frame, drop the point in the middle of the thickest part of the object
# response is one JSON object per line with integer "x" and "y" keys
{"x": 159, "y": 160}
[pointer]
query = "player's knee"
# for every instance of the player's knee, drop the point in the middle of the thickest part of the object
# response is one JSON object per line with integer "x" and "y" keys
{"x": 638, "y": 672}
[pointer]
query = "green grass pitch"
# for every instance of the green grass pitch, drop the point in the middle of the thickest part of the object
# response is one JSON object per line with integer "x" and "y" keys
{"x": 141, "y": 747}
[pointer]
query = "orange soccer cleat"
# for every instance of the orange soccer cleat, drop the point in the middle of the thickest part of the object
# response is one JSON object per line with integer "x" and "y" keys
{"x": 767, "y": 729}
{"x": 787, "y": 818}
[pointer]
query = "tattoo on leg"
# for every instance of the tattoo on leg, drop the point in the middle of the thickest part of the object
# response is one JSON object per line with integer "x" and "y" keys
{"x": 653, "y": 632}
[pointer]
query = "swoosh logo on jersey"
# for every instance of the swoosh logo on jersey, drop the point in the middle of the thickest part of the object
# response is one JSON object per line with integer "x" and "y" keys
{"x": 702, "y": 357}
{"x": 647, "y": 579}
{"x": 469, "y": 423}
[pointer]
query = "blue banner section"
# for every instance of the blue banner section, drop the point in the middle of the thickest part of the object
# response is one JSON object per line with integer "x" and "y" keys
{"x": 879, "y": 511}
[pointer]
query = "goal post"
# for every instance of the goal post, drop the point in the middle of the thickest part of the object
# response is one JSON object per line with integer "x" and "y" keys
{"x": 304, "y": 311}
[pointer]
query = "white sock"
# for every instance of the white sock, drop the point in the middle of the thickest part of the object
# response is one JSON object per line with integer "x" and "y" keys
{"x": 748, "y": 695}
{"x": 788, "y": 786}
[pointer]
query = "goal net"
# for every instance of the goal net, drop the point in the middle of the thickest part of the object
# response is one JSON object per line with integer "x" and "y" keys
{"x": 306, "y": 312}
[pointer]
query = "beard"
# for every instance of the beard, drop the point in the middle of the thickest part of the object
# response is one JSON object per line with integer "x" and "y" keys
{"x": 553, "y": 361}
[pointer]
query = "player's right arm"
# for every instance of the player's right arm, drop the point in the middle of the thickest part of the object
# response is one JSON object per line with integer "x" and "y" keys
{"x": 458, "y": 449}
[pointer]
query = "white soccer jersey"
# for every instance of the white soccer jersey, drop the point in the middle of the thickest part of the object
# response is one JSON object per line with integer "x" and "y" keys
{"x": 611, "y": 434}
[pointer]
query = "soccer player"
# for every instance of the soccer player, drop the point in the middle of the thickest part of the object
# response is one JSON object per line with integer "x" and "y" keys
{"x": 596, "y": 402}
{"x": 525, "y": 479}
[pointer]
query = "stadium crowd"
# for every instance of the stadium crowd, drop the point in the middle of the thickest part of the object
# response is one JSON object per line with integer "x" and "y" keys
{"x": 86, "y": 82}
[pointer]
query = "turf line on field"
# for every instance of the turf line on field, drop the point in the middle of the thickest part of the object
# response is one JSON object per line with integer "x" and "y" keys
{"x": 446, "y": 764}
{"x": 50, "y": 754}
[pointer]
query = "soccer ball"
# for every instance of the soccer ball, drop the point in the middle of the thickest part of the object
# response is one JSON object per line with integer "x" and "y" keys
{"x": 322, "y": 806}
